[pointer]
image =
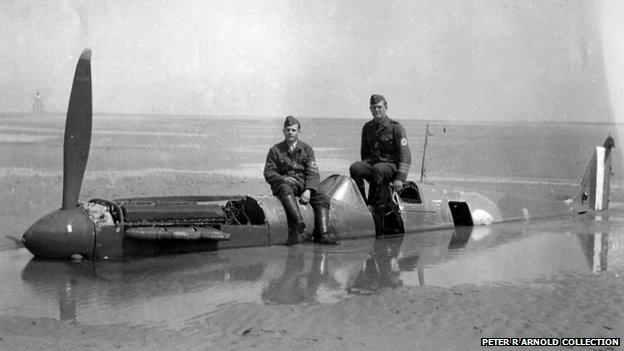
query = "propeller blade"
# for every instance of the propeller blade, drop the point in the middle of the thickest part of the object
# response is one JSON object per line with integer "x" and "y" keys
{"x": 77, "y": 132}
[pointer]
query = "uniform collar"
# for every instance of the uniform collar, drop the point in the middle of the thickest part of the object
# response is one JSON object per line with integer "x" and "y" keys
{"x": 296, "y": 147}
{"x": 385, "y": 122}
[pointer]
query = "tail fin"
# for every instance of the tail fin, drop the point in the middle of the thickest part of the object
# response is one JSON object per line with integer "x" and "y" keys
{"x": 595, "y": 185}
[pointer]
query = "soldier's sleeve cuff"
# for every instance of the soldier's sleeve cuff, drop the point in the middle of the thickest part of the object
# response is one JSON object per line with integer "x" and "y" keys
{"x": 402, "y": 171}
{"x": 312, "y": 188}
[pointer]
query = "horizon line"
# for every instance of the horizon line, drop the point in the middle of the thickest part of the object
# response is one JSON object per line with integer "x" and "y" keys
{"x": 257, "y": 117}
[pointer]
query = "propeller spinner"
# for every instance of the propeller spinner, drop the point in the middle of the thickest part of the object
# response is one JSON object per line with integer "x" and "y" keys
{"x": 69, "y": 230}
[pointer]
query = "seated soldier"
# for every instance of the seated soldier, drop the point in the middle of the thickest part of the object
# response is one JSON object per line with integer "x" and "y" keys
{"x": 291, "y": 170}
{"x": 385, "y": 156}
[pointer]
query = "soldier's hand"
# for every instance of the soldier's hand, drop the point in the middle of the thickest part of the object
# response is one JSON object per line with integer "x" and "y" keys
{"x": 290, "y": 180}
{"x": 397, "y": 185}
{"x": 305, "y": 197}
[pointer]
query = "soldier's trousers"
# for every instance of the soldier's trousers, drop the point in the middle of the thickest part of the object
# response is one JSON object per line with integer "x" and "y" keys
{"x": 317, "y": 198}
{"x": 378, "y": 175}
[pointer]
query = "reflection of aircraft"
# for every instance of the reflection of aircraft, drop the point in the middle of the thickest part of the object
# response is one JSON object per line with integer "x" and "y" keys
{"x": 602, "y": 250}
{"x": 102, "y": 229}
{"x": 108, "y": 292}
{"x": 596, "y": 250}
{"x": 86, "y": 290}
{"x": 177, "y": 284}
{"x": 90, "y": 291}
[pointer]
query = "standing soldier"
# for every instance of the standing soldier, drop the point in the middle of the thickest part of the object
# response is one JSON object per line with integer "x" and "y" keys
{"x": 385, "y": 155}
{"x": 291, "y": 171}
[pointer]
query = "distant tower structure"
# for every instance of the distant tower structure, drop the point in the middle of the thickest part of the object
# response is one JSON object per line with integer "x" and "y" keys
{"x": 37, "y": 105}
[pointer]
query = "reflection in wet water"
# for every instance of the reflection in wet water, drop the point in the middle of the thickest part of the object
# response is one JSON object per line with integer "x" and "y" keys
{"x": 172, "y": 291}
{"x": 595, "y": 247}
{"x": 67, "y": 302}
{"x": 299, "y": 283}
{"x": 381, "y": 269}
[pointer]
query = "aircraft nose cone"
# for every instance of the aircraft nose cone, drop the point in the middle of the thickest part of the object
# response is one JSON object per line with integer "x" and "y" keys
{"x": 61, "y": 234}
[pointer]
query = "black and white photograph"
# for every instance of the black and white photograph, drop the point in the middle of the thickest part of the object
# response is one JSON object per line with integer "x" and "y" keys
{"x": 311, "y": 175}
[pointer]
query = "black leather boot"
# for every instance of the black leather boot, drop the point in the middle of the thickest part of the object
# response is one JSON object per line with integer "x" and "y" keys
{"x": 321, "y": 228}
{"x": 379, "y": 219}
{"x": 296, "y": 227}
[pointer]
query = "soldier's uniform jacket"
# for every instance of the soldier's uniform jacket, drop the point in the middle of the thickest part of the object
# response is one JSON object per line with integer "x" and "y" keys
{"x": 386, "y": 142}
{"x": 299, "y": 164}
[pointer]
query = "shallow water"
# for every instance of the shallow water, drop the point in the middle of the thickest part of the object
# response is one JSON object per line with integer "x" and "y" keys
{"x": 174, "y": 291}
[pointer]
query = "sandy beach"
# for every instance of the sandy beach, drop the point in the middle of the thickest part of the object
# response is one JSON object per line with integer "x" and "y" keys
{"x": 403, "y": 319}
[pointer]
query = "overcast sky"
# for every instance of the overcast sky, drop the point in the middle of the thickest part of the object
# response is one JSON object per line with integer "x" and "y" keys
{"x": 432, "y": 59}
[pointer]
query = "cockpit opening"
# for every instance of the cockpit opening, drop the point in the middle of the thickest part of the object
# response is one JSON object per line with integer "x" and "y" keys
{"x": 410, "y": 193}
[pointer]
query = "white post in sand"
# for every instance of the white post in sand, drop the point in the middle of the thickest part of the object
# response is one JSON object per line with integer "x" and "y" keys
{"x": 600, "y": 174}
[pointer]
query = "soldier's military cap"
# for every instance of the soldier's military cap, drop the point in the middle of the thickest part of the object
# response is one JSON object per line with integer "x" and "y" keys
{"x": 376, "y": 98}
{"x": 291, "y": 121}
